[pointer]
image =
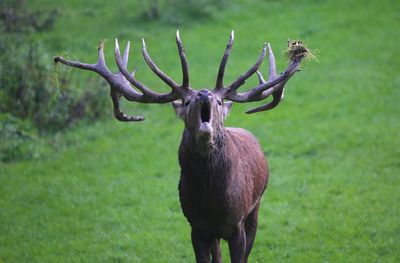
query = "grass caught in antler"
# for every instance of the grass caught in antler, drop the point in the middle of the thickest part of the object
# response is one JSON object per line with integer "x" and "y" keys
{"x": 297, "y": 49}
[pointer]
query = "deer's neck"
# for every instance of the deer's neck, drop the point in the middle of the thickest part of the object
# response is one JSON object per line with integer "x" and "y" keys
{"x": 205, "y": 161}
{"x": 203, "y": 146}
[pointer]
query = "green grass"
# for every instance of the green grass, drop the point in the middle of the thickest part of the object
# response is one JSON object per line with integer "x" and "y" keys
{"x": 107, "y": 192}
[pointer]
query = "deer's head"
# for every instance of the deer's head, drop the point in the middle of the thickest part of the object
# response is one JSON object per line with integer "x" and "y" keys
{"x": 202, "y": 111}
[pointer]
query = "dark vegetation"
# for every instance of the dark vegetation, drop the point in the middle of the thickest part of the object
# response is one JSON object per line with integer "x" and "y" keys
{"x": 33, "y": 99}
{"x": 178, "y": 12}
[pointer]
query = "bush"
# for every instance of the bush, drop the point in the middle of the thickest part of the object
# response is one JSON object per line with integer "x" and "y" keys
{"x": 33, "y": 98}
{"x": 177, "y": 12}
{"x": 15, "y": 17}
{"x": 16, "y": 138}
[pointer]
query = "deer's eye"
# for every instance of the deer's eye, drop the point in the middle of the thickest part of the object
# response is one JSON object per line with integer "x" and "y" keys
{"x": 219, "y": 102}
{"x": 186, "y": 103}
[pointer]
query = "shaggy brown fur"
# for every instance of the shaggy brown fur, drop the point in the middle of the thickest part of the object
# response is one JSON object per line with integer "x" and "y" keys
{"x": 223, "y": 176}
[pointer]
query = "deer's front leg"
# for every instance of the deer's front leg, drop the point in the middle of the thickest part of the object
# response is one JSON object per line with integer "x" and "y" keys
{"x": 201, "y": 246}
{"x": 237, "y": 244}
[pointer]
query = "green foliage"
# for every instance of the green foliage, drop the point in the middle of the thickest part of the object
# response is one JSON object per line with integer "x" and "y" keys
{"x": 16, "y": 138}
{"x": 16, "y": 18}
{"x": 179, "y": 12}
{"x": 29, "y": 90}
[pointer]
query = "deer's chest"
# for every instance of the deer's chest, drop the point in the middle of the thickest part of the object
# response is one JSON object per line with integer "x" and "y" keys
{"x": 211, "y": 197}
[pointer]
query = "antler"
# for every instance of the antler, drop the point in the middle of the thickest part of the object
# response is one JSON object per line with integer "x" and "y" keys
{"x": 242, "y": 78}
{"x": 275, "y": 84}
{"x": 123, "y": 83}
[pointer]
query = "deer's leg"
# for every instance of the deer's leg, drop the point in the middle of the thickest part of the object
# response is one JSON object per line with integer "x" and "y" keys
{"x": 201, "y": 246}
{"x": 215, "y": 251}
{"x": 237, "y": 244}
{"x": 250, "y": 226}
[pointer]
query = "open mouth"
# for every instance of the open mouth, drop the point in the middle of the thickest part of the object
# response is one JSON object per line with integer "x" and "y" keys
{"x": 205, "y": 113}
{"x": 205, "y": 127}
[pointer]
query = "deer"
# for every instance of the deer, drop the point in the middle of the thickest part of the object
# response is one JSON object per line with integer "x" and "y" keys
{"x": 223, "y": 170}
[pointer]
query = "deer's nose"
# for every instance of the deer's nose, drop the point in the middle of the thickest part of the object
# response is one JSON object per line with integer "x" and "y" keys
{"x": 203, "y": 95}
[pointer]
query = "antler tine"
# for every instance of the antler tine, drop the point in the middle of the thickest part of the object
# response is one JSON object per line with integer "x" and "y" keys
{"x": 182, "y": 55}
{"x": 100, "y": 50}
{"x": 277, "y": 96}
{"x": 75, "y": 64}
{"x": 261, "y": 79}
{"x": 242, "y": 79}
{"x": 122, "y": 67}
{"x": 291, "y": 69}
{"x": 272, "y": 65}
{"x": 149, "y": 96}
{"x": 221, "y": 71}
{"x": 156, "y": 70}
{"x": 99, "y": 67}
{"x": 130, "y": 77}
{"x": 118, "y": 114}
{"x": 277, "y": 92}
{"x": 126, "y": 54}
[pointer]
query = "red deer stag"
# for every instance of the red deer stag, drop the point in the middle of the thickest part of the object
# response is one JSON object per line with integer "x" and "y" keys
{"x": 223, "y": 170}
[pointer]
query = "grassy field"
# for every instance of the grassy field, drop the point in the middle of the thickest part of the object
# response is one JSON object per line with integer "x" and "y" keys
{"x": 107, "y": 192}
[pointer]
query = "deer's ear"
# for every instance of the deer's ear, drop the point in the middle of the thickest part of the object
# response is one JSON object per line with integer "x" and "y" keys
{"x": 227, "y": 107}
{"x": 179, "y": 108}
